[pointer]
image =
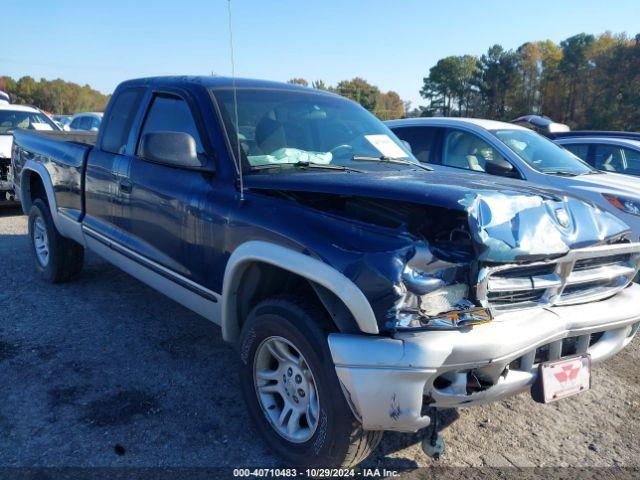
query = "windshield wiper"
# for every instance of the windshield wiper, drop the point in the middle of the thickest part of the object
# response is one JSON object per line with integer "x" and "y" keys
{"x": 301, "y": 164}
{"x": 385, "y": 159}
{"x": 562, "y": 173}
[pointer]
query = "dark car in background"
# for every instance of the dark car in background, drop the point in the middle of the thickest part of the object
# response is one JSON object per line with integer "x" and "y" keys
{"x": 608, "y": 151}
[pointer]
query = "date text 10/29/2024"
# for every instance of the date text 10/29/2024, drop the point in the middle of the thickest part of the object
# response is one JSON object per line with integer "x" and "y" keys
{"x": 315, "y": 472}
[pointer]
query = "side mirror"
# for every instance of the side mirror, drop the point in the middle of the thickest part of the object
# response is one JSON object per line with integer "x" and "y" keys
{"x": 501, "y": 167}
{"x": 407, "y": 145}
{"x": 170, "y": 148}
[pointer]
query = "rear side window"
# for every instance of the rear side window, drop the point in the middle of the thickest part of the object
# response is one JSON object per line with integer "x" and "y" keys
{"x": 422, "y": 141}
{"x": 612, "y": 158}
{"x": 579, "y": 150}
{"x": 121, "y": 115}
{"x": 171, "y": 114}
{"x": 85, "y": 123}
{"x": 468, "y": 151}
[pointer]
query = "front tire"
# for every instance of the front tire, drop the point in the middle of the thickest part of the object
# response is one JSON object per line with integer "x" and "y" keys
{"x": 291, "y": 389}
{"x": 57, "y": 258}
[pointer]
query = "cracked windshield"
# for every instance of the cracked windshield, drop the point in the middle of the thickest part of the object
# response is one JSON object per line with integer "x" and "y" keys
{"x": 280, "y": 130}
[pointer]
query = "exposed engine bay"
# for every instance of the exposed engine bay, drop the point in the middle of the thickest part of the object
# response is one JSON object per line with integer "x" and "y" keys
{"x": 437, "y": 278}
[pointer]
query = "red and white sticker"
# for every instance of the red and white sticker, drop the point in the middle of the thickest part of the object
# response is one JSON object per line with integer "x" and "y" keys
{"x": 566, "y": 377}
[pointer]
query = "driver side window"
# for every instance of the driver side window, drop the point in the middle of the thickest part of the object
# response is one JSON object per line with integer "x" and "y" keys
{"x": 468, "y": 151}
{"x": 169, "y": 113}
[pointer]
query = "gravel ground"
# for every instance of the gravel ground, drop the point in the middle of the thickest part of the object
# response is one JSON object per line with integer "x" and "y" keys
{"x": 104, "y": 371}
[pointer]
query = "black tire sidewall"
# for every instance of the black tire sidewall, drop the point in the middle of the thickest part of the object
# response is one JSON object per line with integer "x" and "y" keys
{"x": 331, "y": 438}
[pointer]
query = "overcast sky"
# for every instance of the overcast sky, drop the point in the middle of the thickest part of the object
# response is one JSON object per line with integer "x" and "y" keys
{"x": 391, "y": 44}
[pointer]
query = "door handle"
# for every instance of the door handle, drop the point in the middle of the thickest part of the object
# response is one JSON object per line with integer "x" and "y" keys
{"x": 125, "y": 186}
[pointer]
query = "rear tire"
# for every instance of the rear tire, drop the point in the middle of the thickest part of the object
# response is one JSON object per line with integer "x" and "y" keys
{"x": 332, "y": 437}
{"x": 57, "y": 258}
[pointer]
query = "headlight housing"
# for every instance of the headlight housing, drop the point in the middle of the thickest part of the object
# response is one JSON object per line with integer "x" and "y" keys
{"x": 428, "y": 303}
{"x": 627, "y": 205}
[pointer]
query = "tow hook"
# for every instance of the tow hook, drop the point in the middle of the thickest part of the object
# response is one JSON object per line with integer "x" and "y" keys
{"x": 433, "y": 445}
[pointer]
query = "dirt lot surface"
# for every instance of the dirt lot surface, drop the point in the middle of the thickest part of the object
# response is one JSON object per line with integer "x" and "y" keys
{"x": 103, "y": 371}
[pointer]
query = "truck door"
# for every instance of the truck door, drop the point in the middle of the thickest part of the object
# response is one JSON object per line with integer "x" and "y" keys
{"x": 107, "y": 167}
{"x": 177, "y": 215}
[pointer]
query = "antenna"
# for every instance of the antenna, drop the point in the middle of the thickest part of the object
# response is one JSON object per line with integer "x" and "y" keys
{"x": 235, "y": 105}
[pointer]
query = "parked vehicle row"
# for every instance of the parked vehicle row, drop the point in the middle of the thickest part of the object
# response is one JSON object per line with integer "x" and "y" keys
{"x": 608, "y": 151}
{"x": 63, "y": 121}
{"x": 13, "y": 117}
{"x": 364, "y": 285}
{"x": 86, "y": 122}
{"x": 498, "y": 149}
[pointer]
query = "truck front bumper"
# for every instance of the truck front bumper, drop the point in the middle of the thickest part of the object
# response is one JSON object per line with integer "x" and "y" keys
{"x": 389, "y": 381}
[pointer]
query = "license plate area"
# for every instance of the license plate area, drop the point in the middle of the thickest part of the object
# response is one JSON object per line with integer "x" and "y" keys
{"x": 565, "y": 377}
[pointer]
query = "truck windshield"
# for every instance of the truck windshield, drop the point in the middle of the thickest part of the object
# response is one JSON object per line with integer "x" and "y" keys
{"x": 10, "y": 120}
{"x": 542, "y": 154}
{"x": 291, "y": 128}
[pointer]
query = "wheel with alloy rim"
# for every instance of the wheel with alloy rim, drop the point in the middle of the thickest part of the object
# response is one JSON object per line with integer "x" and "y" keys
{"x": 291, "y": 389}
{"x": 41, "y": 241}
{"x": 286, "y": 389}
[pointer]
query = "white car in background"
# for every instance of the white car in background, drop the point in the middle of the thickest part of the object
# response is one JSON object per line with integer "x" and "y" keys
{"x": 499, "y": 149}
{"x": 4, "y": 98}
{"x": 88, "y": 121}
{"x": 13, "y": 117}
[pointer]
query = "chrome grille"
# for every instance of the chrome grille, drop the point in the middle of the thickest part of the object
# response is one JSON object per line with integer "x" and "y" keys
{"x": 583, "y": 275}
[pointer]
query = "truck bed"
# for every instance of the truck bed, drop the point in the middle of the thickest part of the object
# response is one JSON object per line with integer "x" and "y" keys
{"x": 85, "y": 138}
{"x": 63, "y": 155}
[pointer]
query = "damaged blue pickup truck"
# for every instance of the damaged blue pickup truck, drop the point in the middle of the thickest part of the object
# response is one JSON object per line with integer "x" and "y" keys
{"x": 362, "y": 289}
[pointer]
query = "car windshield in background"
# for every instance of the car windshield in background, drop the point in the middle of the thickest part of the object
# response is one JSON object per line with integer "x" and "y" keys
{"x": 542, "y": 154}
{"x": 288, "y": 128}
{"x": 11, "y": 120}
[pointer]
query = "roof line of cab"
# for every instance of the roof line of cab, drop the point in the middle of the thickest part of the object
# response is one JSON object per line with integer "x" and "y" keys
{"x": 218, "y": 82}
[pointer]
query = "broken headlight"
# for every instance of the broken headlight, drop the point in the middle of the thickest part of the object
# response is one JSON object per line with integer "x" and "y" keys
{"x": 429, "y": 303}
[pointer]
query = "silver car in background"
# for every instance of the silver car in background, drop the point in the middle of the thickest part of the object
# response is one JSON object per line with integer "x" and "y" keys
{"x": 501, "y": 149}
{"x": 88, "y": 122}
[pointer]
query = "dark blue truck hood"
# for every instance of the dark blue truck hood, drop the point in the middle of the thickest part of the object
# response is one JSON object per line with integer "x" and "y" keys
{"x": 508, "y": 221}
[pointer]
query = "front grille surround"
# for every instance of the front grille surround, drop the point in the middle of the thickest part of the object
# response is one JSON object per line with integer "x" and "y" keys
{"x": 583, "y": 275}
{"x": 556, "y": 350}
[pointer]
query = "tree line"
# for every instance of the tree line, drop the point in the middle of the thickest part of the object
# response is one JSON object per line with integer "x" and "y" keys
{"x": 587, "y": 81}
{"x": 54, "y": 96}
{"x": 386, "y": 105}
